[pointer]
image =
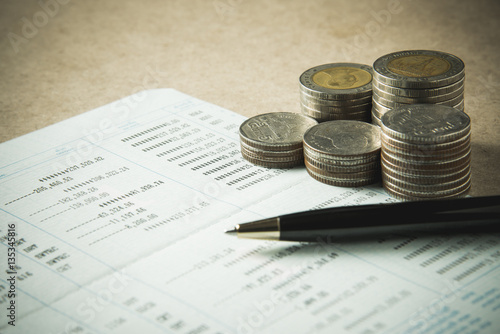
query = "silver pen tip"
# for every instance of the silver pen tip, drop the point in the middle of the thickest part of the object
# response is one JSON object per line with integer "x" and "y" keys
{"x": 233, "y": 231}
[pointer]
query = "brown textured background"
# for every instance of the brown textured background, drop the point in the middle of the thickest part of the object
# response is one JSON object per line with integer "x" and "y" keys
{"x": 60, "y": 58}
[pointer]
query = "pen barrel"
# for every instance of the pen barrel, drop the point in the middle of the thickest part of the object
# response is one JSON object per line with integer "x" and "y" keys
{"x": 466, "y": 215}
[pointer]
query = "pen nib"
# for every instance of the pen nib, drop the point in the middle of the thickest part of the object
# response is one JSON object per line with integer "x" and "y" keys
{"x": 233, "y": 231}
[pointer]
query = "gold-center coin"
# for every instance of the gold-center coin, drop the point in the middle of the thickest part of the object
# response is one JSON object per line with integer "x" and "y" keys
{"x": 342, "y": 78}
{"x": 419, "y": 66}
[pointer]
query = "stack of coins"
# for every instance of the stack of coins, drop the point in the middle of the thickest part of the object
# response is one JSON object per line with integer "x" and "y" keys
{"x": 339, "y": 91}
{"x": 415, "y": 77}
{"x": 343, "y": 153}
{"x": 425, "y": 152}
{"x": 274, "y": 140}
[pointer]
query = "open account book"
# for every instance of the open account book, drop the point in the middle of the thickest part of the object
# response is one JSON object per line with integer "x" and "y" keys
{"x": 118, "y": 217}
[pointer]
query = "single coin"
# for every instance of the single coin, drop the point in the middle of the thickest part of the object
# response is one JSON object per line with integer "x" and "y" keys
{"x": 337, "y": 81}
{"x": 278, "y": 131}
{"x": 418, "y": 69}
{"x": 344, "y": 138}
{"x": 425, "y": 123}
{"x": 417, "y": 93}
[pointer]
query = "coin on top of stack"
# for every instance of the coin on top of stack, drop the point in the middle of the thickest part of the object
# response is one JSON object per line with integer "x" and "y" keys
{"x": 338, "y": 91}
{"x": 274, "y": 140}
{"x": 417, "y": 77}
{"x": 343, "y": 153}
{"x": 425, "y": 152}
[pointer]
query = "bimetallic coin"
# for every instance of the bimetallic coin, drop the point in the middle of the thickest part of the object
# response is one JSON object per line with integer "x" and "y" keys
{"x": 338, "y": 110}
{"x": 418, "y": 69}
{"x": 278, "y": 131}
{"x": 344, "y": 138}
{"x": 338, "y": 81}
{"x": 425, "y": 123}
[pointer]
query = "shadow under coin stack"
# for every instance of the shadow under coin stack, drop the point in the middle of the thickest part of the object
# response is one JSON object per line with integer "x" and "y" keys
{"x": 343, "y": 153}
{"x": 425, "y": 152}
{"x": 339, "y": 91}
{"x": 415, "y": 77}
{"x": 274, "y": 140}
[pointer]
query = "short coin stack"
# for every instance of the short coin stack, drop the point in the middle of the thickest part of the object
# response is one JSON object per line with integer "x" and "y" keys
{"x": 425, "y": 152}
{"x": 415, "y": 77}
{"x": 343, "y": 153}
{"x": 339, "y": 91}
{"x": 274, "y": 140}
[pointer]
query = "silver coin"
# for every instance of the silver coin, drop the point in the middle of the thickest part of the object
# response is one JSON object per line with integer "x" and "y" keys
{"x": 249, "y": 154}
{"x": 273, "y": 164}
{"x": 425, "y": 92}
{"x": 427, "y": 153}
{"x": 278, "y": 131}
{"x": 435, "y": 178}
{"x": 338, "y": 110}
{"x": 418, "y": 185}
{"x": 344, "y": 175}
{"x": 425, "y": 123}
{"x": 418, "y": 69}
{"x": 394, "y": 104}
{"x": 420, "y": 99}
{"x": 310, "y": 99}
{"x": 403, "y": 145}
{"x": 334, "y": 168}
{"x": 344, "y": 138}
{"x": 364, "y": 116}
{"x": 432, "y": 170}
{"x": 264, "y": 153}
{"x": 337, "y": 81}
{"x": 455, "y": 191}
{"x": 347, "y": 161}
{"x": 416, "y": 196}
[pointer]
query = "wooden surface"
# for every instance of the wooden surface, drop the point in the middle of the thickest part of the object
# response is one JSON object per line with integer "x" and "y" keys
{"x": 60, "y": 58}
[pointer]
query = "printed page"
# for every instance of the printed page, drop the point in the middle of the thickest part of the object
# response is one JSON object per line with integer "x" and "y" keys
{"x": 118, "y": 217}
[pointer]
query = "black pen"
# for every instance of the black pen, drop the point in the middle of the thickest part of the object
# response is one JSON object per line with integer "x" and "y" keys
{"x": 448, "y": 216}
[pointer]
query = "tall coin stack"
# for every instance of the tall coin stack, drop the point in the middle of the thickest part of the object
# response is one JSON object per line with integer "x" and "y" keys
{"x": 415, "y": 77}
{"x": 343, "y": 153}
{"x": 274, "y": 140}
{"x": 425, "y": 152}
{"x": 339, "y": 91}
